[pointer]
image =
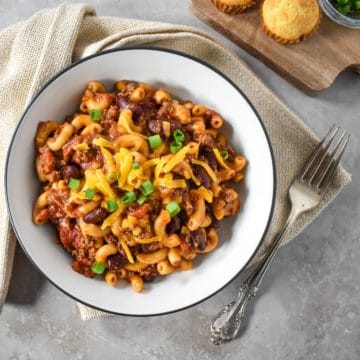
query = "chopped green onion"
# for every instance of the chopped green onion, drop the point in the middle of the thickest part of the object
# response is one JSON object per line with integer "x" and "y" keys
{"x": 129, "y": 197}
{"x": 95, "y": 114}
{"x": 112, "y": 205}
{"x": 346, "y": 6}
{"x": 179, "y": 136}
{"x": 89, "y": 193}
{"x": 175, "y": 147}
{"x": 147, "y": 188}
{"x": 345, "y": 9}
{"x": 142, "y": 198}
{"x": 173, "y": 208}
{"x": 224, "y": 154}
{"x": 98, "y": 267}
{"x": 112, "y": 176}
{"x": 74, "y": 183}
{"x": 135, "y": 165}
{"x": 155, "y": 141}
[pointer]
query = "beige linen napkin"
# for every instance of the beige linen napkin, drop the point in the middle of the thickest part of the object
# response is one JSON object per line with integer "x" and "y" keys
{"x": 35, "y": 50}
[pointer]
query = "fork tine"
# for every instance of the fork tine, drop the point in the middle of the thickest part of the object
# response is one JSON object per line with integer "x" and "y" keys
{"x": 335, "y": 157}
{"x": 309, "y": 165}
{"x": 322, "y": 161}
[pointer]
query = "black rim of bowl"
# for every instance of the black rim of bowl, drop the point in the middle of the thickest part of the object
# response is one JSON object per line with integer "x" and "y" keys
{"x": 159, "y": 49}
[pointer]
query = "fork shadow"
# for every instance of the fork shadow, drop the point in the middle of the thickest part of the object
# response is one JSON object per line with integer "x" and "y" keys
{"x": 272, "y": 278}
{"x": 249, "y": 310}
{"x": 26, "y": 281}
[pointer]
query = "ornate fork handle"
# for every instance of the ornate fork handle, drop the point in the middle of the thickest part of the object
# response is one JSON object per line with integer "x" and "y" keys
{"x": 226, "y": 325}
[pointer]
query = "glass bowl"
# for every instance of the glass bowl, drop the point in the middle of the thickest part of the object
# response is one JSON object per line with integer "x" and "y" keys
{"x": 351, "y": 21}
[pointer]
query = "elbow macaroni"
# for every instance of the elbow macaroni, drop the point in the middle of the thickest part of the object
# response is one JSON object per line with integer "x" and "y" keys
{"x": 94, "y": 167}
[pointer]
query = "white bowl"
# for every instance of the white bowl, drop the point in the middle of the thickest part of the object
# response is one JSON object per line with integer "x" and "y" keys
{"x": 187, "y": 78}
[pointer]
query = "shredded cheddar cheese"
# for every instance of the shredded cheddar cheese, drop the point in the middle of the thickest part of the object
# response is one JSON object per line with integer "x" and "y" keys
{"x": 101, "y": 142}
{"x": 176, "y": 159}
{"x": 220, "y": 159}
{"x": 206, "y": 166}
{"x": 81, "y": 147}
{"x": 169, "y": 182}
{"x": 103, "y": 185}
{"x": 166, "y": 128}
{"x": 127, "y": 251}
{"x": 111, "y": 219}
{"x": 125, "y": 121}
{"x": 147, "y": 240}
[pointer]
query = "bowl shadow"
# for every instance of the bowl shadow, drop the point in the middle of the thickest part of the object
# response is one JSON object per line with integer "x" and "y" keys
{"x": 26, "y": 281}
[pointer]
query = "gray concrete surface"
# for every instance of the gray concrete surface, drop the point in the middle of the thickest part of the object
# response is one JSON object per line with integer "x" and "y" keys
{"x": 309, "y": 305}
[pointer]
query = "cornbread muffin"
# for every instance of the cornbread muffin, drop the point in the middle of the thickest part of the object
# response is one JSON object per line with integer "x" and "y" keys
{"x": 289, "y": 21}
{"x": 233, "y": 6}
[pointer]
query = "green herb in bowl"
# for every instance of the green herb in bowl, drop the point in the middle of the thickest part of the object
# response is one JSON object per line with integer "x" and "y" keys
{"x": 346, "y": 6}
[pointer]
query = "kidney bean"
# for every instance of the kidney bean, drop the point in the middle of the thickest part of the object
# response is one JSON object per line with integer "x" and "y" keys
{"x": 174, "y": 125}
{"x": 71, "y": 171}
{"x": 116, "y": 262}
{"x": 55, "y": 220}
{"x": 154, "y": 126}
{"x": 214, "y": 222}
{"x": 174, "y": 225}
{"x": 202, "y": 175}
{"x": 122, "y": 102}
{"x": 209, "y": 156}
{"x": 136, "y": 111}
{"x": 145, "y": 108}
{"x": 149, "y": 277}
{"x": 198, "y": 239}
{"x": 96, "y": 216}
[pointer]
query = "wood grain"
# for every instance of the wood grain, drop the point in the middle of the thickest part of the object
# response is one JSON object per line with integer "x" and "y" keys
{"x": 311, "y": 65}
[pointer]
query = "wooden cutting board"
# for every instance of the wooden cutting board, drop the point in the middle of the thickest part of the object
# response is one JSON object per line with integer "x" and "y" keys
{"x": 311, "y": 65}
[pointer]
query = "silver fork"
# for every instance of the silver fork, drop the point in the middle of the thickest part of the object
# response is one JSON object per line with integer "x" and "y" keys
{"x": 305, "y": 193}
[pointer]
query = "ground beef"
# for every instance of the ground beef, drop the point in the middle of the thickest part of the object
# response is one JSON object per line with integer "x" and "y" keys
{"x": 149, "y": 273}
{"x": 111, "y": 239}
{"x": 205, "y": 139}
{"x": 57, "y": 203}
{"x": 155, "y": 126}
{"x": 149, "y": 248}
{"x": 87, "y": 159}
{"x": 110, "y": 116}
{"x": 47, "y": 160}
{"x": 67, "y": 149}
{"x": 82, "y": 268}
{"x": 84, "y": 251}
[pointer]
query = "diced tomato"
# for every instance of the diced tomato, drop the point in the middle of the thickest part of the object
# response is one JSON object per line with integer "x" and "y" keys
{"x": 64, "y": 232}
{"x": 141, "y": 212}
